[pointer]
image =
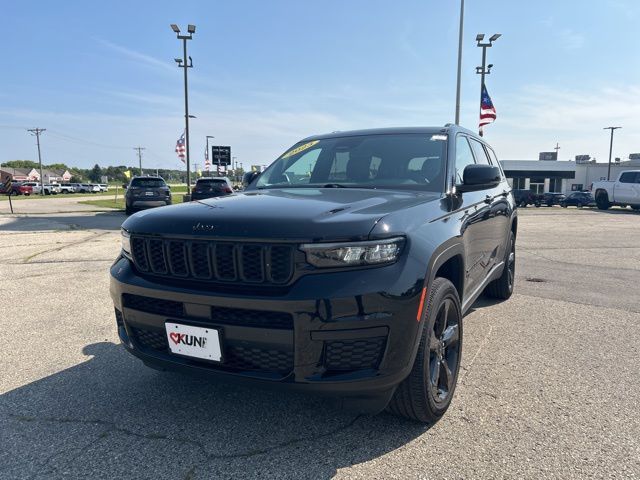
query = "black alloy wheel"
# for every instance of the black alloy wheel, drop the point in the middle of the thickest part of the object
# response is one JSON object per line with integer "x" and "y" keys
{"x": 425, "y": 395}
{"x": 444, "y": 352}
{"x": 502, "y": 287}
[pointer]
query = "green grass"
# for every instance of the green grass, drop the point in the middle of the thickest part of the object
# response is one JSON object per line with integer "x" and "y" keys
{"x": 112, "y": 203}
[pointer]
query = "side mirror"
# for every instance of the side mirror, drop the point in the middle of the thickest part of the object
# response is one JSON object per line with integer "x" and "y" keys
{"x": 249, "y": 177}
{"x": 479, "y": 177}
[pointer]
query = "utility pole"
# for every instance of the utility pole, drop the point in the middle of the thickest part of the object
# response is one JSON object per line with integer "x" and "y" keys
{"x": 37, "y": 132}
{"x": 484, "y": 69}
{"x": 139, "y": 149}
{"x": 557, "y": 149}
{"x": 207, "y": 157}
{"x": 459, "y": 62}
{"x": 610, "y": 149}
{"x": 182, "y": 63}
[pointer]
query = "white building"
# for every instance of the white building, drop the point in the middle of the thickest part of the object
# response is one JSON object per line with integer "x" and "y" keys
{"x": 542, "y": 176}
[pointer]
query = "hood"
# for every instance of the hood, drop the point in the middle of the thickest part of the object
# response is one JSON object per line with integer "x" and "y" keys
{"x": 297, "y": 213}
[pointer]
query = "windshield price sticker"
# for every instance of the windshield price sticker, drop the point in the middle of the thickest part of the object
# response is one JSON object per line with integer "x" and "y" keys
{"x": 299, "y": 149}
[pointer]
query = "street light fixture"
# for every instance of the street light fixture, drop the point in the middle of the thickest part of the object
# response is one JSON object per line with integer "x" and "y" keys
{"x": 610, "y": 149}
{"x": 182, "y": 63}
{"x": 484, "y": 69}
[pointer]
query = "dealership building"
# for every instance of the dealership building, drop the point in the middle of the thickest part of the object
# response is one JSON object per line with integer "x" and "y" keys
{"x": 550, "y": 175}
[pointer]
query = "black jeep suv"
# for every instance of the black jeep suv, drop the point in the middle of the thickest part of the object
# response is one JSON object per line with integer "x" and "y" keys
{"x": 345, "y": 268}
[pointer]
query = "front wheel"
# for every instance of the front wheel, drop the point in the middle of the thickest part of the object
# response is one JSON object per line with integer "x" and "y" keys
{"x": 425, "y": 395}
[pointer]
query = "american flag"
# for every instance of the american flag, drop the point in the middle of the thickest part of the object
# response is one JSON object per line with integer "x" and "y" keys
{"x": 207, "y": 163}
{"x": 181, "y": 149}
{"x": 487, "y": 110}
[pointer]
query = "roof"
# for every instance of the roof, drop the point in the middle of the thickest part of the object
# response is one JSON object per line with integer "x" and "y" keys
{"x": 448, "y": 128}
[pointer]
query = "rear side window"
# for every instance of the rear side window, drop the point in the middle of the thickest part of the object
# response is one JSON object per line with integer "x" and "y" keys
{"x": 629, "y": 177}
{"x": 480, "y": 154}
{"x": 214, "y": 181}
{"x": 148, "y": 182}
{"x": 464, "y": 156}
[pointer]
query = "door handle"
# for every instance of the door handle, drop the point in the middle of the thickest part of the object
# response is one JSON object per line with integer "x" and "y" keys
{"x": 488, "y": 199}
{"x": 504, "y": 193}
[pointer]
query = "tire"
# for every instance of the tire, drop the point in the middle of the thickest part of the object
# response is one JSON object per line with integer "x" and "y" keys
{"x": 579, "y": 205}
{"x": 602, "y": 201}
{"x": 523, "y": 204}
{"x": 502, "y": 288}
{"x": 563, "y": 205}
{"x": 416, "y": 398}
{"x": 635, "y": 207}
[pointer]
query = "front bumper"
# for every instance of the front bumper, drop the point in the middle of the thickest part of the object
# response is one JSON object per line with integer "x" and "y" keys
{"x": 341, "y": 333}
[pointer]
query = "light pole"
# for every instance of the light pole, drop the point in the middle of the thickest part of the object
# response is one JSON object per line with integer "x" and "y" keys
{"x": 459, "y": 62}
{"x": 610, "y": 149}
{"x": 208, "y": 152}
{"x": 484, "y": 69}
{"x": 182, "y": 63}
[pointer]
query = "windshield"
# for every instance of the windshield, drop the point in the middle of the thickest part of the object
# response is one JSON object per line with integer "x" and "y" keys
{"x": 147, "y": 182}
{"x": 398, "y": 161}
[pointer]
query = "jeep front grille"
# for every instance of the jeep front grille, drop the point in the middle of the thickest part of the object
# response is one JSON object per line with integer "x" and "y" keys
{"x": 224, "y": 262}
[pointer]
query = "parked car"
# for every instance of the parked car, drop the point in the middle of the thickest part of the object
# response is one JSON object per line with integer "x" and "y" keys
{"x": 578, "y": 199}
{"x": 146, "y": 192}
{"x": 622, "y": 192}
{"x": 344, "y": 268}
{"x": 17, "y": 188}
{"x": 524, "y": 198}
{"x": 94, "y": 188}
{"x": 103, "y": 187}
{"x": 550, "y": 198}
{"x": 208, "y": 187}
{"x": 37, "y": 188}
{"x": 54, "y": 188}
{"x": 67, "y": 188}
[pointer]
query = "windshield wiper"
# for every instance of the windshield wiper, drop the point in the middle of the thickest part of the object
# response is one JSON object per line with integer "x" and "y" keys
{"x": 333, "y": 185}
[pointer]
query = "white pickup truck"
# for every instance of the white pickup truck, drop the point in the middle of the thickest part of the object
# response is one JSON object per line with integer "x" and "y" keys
{"x": 623, "y": 192}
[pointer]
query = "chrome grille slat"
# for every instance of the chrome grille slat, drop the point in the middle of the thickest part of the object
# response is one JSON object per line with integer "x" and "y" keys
{"x": 215, "y": 261}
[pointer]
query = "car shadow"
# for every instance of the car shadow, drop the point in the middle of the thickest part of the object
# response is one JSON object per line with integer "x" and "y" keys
{"x": 54, "y": 222}
{"x": 112, "y": 416}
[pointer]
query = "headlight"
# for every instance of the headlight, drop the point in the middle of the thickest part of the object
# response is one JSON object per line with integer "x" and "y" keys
{"x": 126, "y": 243}
{"x": 375, "y": 252}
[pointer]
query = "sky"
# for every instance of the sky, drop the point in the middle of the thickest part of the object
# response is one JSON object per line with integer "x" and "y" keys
{"x": 101, "y": 76}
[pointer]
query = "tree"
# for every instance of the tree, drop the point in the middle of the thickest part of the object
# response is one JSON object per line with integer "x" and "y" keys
{"x": 96, "y": 174}
{"x": 21, "y": 164}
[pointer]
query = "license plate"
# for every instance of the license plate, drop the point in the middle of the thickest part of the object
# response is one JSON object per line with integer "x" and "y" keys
{"x": 149, "y": 194}
{"x": 197, "y": 342}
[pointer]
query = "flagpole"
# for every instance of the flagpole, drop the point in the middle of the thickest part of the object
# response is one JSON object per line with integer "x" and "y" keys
{"x": 459, "y": 62}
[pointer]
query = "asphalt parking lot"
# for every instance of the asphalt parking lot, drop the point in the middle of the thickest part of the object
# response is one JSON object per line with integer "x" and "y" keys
{"x": 549, "y": 386}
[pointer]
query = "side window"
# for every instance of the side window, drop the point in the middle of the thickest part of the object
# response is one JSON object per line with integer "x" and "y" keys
{"x": 464, "y": 156}
{"x": 480, "y": 154}
{"x": 628, "y": 177}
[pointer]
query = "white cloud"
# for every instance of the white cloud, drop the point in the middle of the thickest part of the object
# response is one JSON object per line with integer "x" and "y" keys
{"x": 533, "y": 119}
{"x": 137, "y": 56}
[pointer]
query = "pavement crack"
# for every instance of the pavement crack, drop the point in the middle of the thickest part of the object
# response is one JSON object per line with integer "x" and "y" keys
{"x": 66, "y": 245}
{"x": 112, "y": 427}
